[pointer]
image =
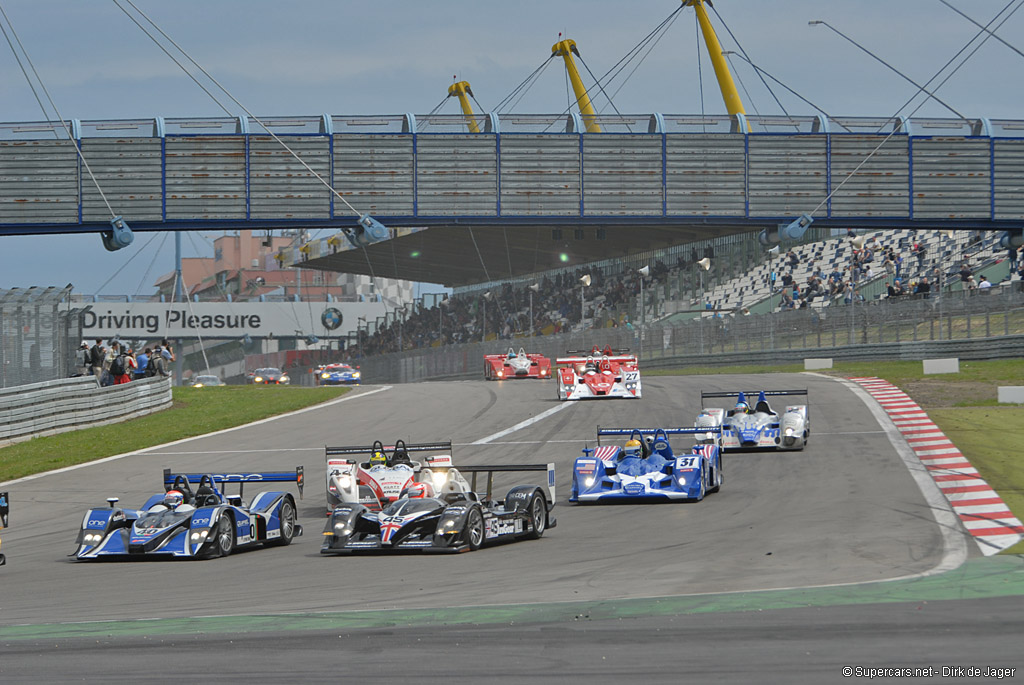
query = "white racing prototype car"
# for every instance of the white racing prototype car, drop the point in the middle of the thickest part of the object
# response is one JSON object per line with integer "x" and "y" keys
{"x": 760, "y": 426}
{"x": 388, "y": 471}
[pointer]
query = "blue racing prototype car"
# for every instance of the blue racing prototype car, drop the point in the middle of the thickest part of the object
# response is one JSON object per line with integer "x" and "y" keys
{"x": 188, "y": 524}
{"x": 647, "y": 468}
{"x": 338, "y": 374}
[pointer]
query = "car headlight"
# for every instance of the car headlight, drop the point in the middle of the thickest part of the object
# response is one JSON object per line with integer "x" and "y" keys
{"x": 341, "y": 528}
{"x": 355, "y": 374}
{"x": 92, "y": 538}
{"x": 439, "y": 478}
{"x": 199, "y": 535}
{"x": 789, "y": 432}
{"x": 345, "y": 481}
{"x": 543, "y": 372}
{"x": 325, "y": 375}
{"x": 588, "y": 481}
{"x": 446, "y": 526}
{"x": 284, "y": 379}
{"x": 198, "y": 385}
{"x": 500, "y": 374}
{"x": 258, "y": 379}
{"x": 709, "y": 435}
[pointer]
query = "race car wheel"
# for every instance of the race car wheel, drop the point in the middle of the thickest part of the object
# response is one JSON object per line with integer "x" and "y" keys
{"x": 718, "y": 478}
{"x": 3, "y": 560}
{"x": 474, "y": 530}
{"x": 224, "y": 538}
{"x": 287, "y": 517}
{"x": 538, "y": 512}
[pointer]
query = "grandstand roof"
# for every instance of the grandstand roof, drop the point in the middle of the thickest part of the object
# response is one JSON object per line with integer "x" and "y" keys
{"x": 449, "y": 255}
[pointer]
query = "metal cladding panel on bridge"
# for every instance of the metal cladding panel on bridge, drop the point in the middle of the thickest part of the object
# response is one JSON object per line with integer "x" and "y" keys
{"x": 951, "y": 178}
{"x": 622, "y": 174}
{"x": 456, "y": 175}
{"x": 880, "y": 187}
{"x": 280, "y": 187}
{"x": 540, "y": 175}
{"x": 786, "y": 173}
{"x": 129, "y": 170}
{"x": 205, "y": 177}
{"x": 1008, "y": 178}
{"x": 375, "y": 173}
{"x": 705, "y": 175}
{"x": 38, "y": 181}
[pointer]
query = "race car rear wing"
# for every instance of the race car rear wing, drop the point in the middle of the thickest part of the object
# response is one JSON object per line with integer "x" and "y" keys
{"x": 5, "y": 509}
{"x": 754, "y": 393}
{"x": 297, "y": 477}
{"x": 502, "y": 468}
{"x": 653, "y": 432}
{"x": 410, "y": 447}
{"x": 562, "y": 361}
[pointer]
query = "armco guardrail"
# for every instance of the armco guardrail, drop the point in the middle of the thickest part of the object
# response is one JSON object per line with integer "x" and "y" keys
{"x": 30, "y": 411}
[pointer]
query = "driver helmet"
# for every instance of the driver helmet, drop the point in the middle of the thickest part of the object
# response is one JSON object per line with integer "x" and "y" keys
{"x": 591, "y": 365}
{"x": 173, "y": 499}
{"x": 633, "y": 449}
{"x": 511, "y": 354}
{"x": 741, "y": 407}
{"x": 378, "y": 459}
{"x": 418, "y": 491}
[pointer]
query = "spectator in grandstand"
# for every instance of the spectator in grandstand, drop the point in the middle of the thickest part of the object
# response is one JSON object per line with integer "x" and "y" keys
{"x": 971, "y": 284}
{"x": 895, "y": 289}
{"x": 889, "y": 265}
{"x": 793, "y": 260}
{"x": 965, "y": 273}
{"x": 1012, "y": 255}
{"x": 920, "y": 251}
{"x": 984, "y": 284}
{"x": 899, "y": 266}
{"x": 923, "y": 289}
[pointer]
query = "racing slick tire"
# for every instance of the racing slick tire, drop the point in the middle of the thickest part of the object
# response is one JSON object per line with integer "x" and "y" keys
{"x": 223, "y": 539}
{"x": 719, "y": 477}
{"x": 287, "y": 517}
{"x": 537, "y": 510}
{"x": 473, "y": 532}
{"x": 3, "y": 560}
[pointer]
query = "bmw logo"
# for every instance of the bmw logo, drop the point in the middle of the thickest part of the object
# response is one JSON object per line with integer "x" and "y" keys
{"x": 331, "y": 318}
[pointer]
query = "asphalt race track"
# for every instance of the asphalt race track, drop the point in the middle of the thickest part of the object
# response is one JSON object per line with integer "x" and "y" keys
{"x": 845, "y": 510}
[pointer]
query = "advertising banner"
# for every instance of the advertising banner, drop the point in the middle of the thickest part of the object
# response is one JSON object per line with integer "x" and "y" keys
{"x": 152, "y": 320}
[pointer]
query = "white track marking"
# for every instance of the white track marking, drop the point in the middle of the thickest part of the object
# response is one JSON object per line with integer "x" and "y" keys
{"x": 522, "y": 424}
{"x": 323, "y": 405}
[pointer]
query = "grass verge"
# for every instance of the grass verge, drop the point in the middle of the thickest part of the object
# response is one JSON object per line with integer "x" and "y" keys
{"x": 195, "y": 411}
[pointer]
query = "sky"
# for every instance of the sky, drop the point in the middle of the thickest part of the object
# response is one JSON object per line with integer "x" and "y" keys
{"x": 309, "y": 57}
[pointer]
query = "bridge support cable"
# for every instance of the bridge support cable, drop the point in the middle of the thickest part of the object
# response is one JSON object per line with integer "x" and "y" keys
{"x": 743, "y": 52}
{"x": 800, "y": 97}
{"x": 799, "y": 226}
{"x": 525, "y": 84}
{"x": 890, "y": 67}
{"x": 369, "y": 230}
{"x": 119, "y": 235}
{"x": 944, "y": 2}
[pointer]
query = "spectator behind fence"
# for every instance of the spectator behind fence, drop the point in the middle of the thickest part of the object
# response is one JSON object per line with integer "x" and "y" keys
{"x": 96, "y": 356}
{"x": 142, "y": 361}
{"x": 984, "y": 284}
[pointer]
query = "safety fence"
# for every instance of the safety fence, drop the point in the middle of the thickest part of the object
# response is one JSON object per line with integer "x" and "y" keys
{"x": 39, "y": 333}
{"x": 51, "y": 407}
{"x": 982, "y": 325}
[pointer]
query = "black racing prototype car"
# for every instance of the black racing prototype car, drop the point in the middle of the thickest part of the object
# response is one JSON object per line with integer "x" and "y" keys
{"x": 454, "y": 519}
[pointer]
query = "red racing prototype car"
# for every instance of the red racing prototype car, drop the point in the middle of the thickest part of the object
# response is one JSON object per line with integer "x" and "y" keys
{"x": 598, "y": 373}
{"x": 516, "y": 365}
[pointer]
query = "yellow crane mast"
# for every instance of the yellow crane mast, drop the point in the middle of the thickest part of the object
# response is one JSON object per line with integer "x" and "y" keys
{"x": 733, "y": 104}
{"x": 566, "y": 49}
{"x": 461, "y": 90}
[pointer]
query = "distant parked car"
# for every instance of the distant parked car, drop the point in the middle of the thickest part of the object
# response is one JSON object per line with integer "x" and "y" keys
{"x": 269, "y": 376}
{"x": 206, "y": 381}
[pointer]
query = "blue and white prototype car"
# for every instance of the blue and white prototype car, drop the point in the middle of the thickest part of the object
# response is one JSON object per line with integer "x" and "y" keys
{"x": 187, "y": 523}
{"x": 760, "y": 426}
{"x": 650, "y": 471}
